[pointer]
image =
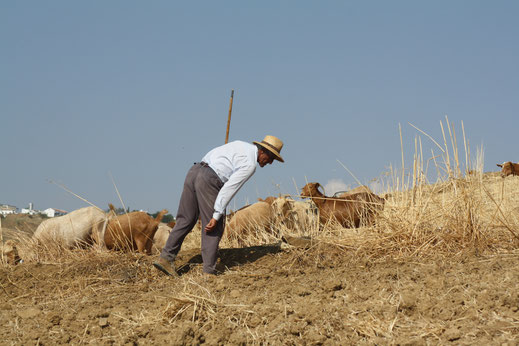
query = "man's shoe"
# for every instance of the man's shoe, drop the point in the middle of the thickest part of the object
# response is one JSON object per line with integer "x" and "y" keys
{"x": 165, "y": 266}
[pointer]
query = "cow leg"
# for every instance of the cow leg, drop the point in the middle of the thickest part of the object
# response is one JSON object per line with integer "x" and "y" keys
{"x": 148, "y": 238}
{"x": 147, "y": 248}
{"x": 140, "y": 242}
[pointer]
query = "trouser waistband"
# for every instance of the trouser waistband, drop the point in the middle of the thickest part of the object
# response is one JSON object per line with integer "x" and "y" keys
{"x": 205, "y": 164}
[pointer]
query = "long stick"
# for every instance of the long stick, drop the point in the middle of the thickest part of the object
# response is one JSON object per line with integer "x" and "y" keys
{"x": 229, "y": 119}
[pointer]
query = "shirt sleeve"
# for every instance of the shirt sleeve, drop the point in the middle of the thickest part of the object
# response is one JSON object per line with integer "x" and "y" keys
{"x": 230, "y": 188}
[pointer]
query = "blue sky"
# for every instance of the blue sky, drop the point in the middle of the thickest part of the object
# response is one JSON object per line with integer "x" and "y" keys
{"x": 140, "y": 90}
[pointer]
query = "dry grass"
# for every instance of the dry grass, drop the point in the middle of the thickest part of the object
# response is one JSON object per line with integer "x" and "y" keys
{"x": 458, "y": 214}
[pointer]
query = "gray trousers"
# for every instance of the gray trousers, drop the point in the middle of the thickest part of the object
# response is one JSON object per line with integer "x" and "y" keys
{"x": 201, "y": 188}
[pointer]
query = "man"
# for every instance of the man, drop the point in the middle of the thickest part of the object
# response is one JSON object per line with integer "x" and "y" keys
{"x": 209, "y": 187}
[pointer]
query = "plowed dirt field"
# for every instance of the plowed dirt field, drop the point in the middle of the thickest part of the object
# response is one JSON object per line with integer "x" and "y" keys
{"x": 268, "y": 294}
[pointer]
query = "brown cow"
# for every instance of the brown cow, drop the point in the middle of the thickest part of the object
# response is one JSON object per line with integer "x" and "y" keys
{"x": 132, "y": 231}
{"x": 509, "y": 168}
{"x": 348, "y": 211}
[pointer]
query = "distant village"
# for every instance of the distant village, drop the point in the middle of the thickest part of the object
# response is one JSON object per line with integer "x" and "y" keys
{"x": 6, "y": 209}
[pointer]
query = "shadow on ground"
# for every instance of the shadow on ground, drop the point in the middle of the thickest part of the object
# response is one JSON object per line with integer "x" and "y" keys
{"x": 229, "y": 258}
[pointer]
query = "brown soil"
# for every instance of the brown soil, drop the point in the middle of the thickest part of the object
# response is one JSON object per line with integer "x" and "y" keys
{"x": 267, "y": 294}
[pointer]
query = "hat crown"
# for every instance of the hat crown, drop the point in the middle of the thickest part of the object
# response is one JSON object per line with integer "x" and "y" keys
{"x": 274, "y": 142}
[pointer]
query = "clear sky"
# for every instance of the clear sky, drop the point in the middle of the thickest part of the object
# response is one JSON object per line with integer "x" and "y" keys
{"x": 139, "y": 90}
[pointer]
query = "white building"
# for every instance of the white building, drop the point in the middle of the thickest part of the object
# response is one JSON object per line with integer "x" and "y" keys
{"x": 29, "y": 210}
{"x": 53, "y": 212}
{"x": 6, "y": 209}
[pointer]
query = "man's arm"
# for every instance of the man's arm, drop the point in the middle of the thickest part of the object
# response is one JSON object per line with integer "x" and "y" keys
{"x": 228, "y": 191}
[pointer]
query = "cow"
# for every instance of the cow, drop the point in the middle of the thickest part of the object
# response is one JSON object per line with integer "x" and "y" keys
{"x": 294, "y": 215}
{"x": 347, "y": 211}
{"x": 257, "y": 217}
{"x": 272, "y": 216}
{"x": 132, "y": 231}
{"x": 162, "y": 234}
{"x": 78, "y": 228}
{"x": 509, "y": 168}
{"x": 362, "y": 188}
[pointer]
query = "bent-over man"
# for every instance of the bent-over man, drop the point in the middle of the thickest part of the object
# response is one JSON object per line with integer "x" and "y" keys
{"x": 208, "y": 188}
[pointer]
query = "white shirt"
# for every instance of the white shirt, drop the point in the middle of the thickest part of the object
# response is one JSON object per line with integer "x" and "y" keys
{"x": 234, "y": 163}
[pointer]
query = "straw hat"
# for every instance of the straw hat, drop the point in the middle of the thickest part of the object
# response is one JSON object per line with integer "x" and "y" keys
{"x": 272, "y": 144}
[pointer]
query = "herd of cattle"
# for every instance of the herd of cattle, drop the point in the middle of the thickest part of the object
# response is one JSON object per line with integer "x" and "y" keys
{"x": 137, "y": 231}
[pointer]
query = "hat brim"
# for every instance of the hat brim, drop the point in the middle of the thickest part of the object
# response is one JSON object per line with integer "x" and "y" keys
{"x": 276, "y": 154}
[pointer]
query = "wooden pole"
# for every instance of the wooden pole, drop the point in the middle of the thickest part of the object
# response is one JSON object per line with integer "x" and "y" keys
{"x": 229, "y": 119}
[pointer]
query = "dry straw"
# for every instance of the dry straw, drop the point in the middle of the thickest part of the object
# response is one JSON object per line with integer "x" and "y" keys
{"x": 443, "y": 205}
{"x": 453, "y": 214}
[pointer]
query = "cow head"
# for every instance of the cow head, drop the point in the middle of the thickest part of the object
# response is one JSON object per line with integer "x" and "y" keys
{"x": 311, "y": 190}
{"x": 508, "y": 168}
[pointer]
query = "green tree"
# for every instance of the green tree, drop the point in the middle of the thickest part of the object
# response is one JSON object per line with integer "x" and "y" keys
{"x": 166, "y": 219}
{"x": 118, "y": 211}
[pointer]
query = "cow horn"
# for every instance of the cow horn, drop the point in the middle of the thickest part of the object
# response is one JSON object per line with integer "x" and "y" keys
{"x": 317, "y": 186}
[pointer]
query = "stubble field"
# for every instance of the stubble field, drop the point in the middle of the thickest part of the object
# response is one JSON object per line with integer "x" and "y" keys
{"x": 440, "y": 266}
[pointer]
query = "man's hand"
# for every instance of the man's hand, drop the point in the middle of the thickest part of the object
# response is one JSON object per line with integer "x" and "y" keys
{"x": 211, "y": 225}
